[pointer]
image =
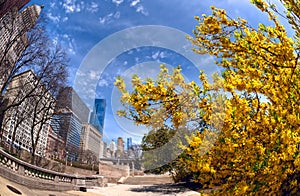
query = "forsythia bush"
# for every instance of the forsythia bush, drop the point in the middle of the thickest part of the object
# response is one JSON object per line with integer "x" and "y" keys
{"x": 246, "y": 143}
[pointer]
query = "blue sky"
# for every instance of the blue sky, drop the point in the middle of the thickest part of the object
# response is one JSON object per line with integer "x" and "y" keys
{"x": 93, "y": 30}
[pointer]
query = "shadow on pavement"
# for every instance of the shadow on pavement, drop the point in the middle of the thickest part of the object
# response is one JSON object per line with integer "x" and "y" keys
{"x": 166, "y": 188}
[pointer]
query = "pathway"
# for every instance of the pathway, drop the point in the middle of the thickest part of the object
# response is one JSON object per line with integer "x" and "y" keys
{"x": 151, "y": 189}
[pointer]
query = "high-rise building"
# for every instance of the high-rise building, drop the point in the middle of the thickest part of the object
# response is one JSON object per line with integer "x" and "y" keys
{"x": 30, "y": 119}
{"x": 8, "y": 5}
{"x": 68, "y": 98}
{"x": 112, "y": 148}
{"x": 98, "y": 114}
{"x": 70, "y": 114}
{"x": 129, "y": 143}
{"x": 120, "y": 148}
{"x": 13, "y": 39}
{"x": 90, "y": 140}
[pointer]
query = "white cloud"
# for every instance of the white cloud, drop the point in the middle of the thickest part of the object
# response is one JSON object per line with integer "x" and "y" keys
{"x": 138, "y": 7}
{"x": 134, "y": 3}
{"x": 109, "y": 18}
{"x": 142, "y": 10}
{"x": 117, "y": 2}
{"x": 69, "y": 42}
{"x": 93, "y": 7}
{"x": 54, "y": 19}
{"x": 117, "y": 15}
{"x": 80, "y": 73}
{"x": 71, "y": 6}
{"x": 106, "y": 19}
{"x": 102, "y": 20}
{"x": 52, "y": 4}
{"x": 103, "y": 83}
{"x": 65, "y": 36}
{"x": 158, "y": 55}
{"x": 71, "y": 49}
{"x": 155, "y": 55}
{"x": 162, "y": 55}
{"x": 93, "y": 75}
{"x": 65, "y": 19}
{"x": 55, "y": 40}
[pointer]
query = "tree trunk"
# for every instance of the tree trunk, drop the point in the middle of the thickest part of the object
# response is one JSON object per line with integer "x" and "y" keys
{"x": 32, "y": 161}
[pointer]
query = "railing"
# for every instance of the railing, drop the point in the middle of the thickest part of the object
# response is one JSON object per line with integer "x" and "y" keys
{"x": 36, "y": 177}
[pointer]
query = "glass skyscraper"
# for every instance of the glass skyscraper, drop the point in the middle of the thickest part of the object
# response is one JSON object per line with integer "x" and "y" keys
{"x": 98, "y": 115}
{"x": 71, "y": 113}
{"x": 129, "y": 143}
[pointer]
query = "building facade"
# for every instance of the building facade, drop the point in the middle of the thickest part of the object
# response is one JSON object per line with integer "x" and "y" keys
{"x": 120, "y": 148}
{"x": 13, "y": 39}
{"x": 90, "y": 140}
{"x": 129, "y": 143}
{"x": 8, "y": 5}
{"x": 112, "y": 148}
{"x": 31, "y": 119}
{"x": 98, "y": 114}
{"x": 68, "y": 125}
{"x": 71, "y": 112}
{"x": 101, "y": 154}
{"x": 55, "y": 145}
{"x": 68, "y": 98}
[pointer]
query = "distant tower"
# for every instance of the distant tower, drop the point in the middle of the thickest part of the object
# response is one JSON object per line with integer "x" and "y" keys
{"x": 98, "y": 114}
{"x": 112, "y": 147}
{"x": 129, "y": 143}
{"x": 120, "y": 144}
{"x": 120, "y": 148}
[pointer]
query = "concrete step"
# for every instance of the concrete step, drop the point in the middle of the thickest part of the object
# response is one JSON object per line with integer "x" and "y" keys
{"x": 148, "y": 180}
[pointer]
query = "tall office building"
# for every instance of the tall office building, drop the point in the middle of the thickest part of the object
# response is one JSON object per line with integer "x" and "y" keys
{"x": 24, "y": 120}
{"x": 98, "y": 114}
{"x": 120, "y": 148}
{"x": 71, "y": 112}
{"x": 112, "y": 148}
{"x": 129, "y": 143}
{"x": 68, "y": 98}
{"x": 13, "y": 39}
{"x": 8, "y": 5}
{"x": 90, "y": 140}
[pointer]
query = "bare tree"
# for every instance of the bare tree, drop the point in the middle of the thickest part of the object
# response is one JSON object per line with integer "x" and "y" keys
{"x": 88, "y": 157}
{"x": 15, "y": 116}
{"x": 14, "y": 40}
{"x": 48, "y": 64}
{"x": 18, "y": 51}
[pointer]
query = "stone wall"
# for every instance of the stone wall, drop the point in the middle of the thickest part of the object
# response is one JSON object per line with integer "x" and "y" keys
{"x": 84, "y": 172}
{"x": 35, "y": 177}
{"x": 107, "y": 169}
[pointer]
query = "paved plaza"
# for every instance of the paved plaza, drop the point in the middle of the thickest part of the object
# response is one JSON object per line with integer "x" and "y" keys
{"x": 110, "y": 190}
